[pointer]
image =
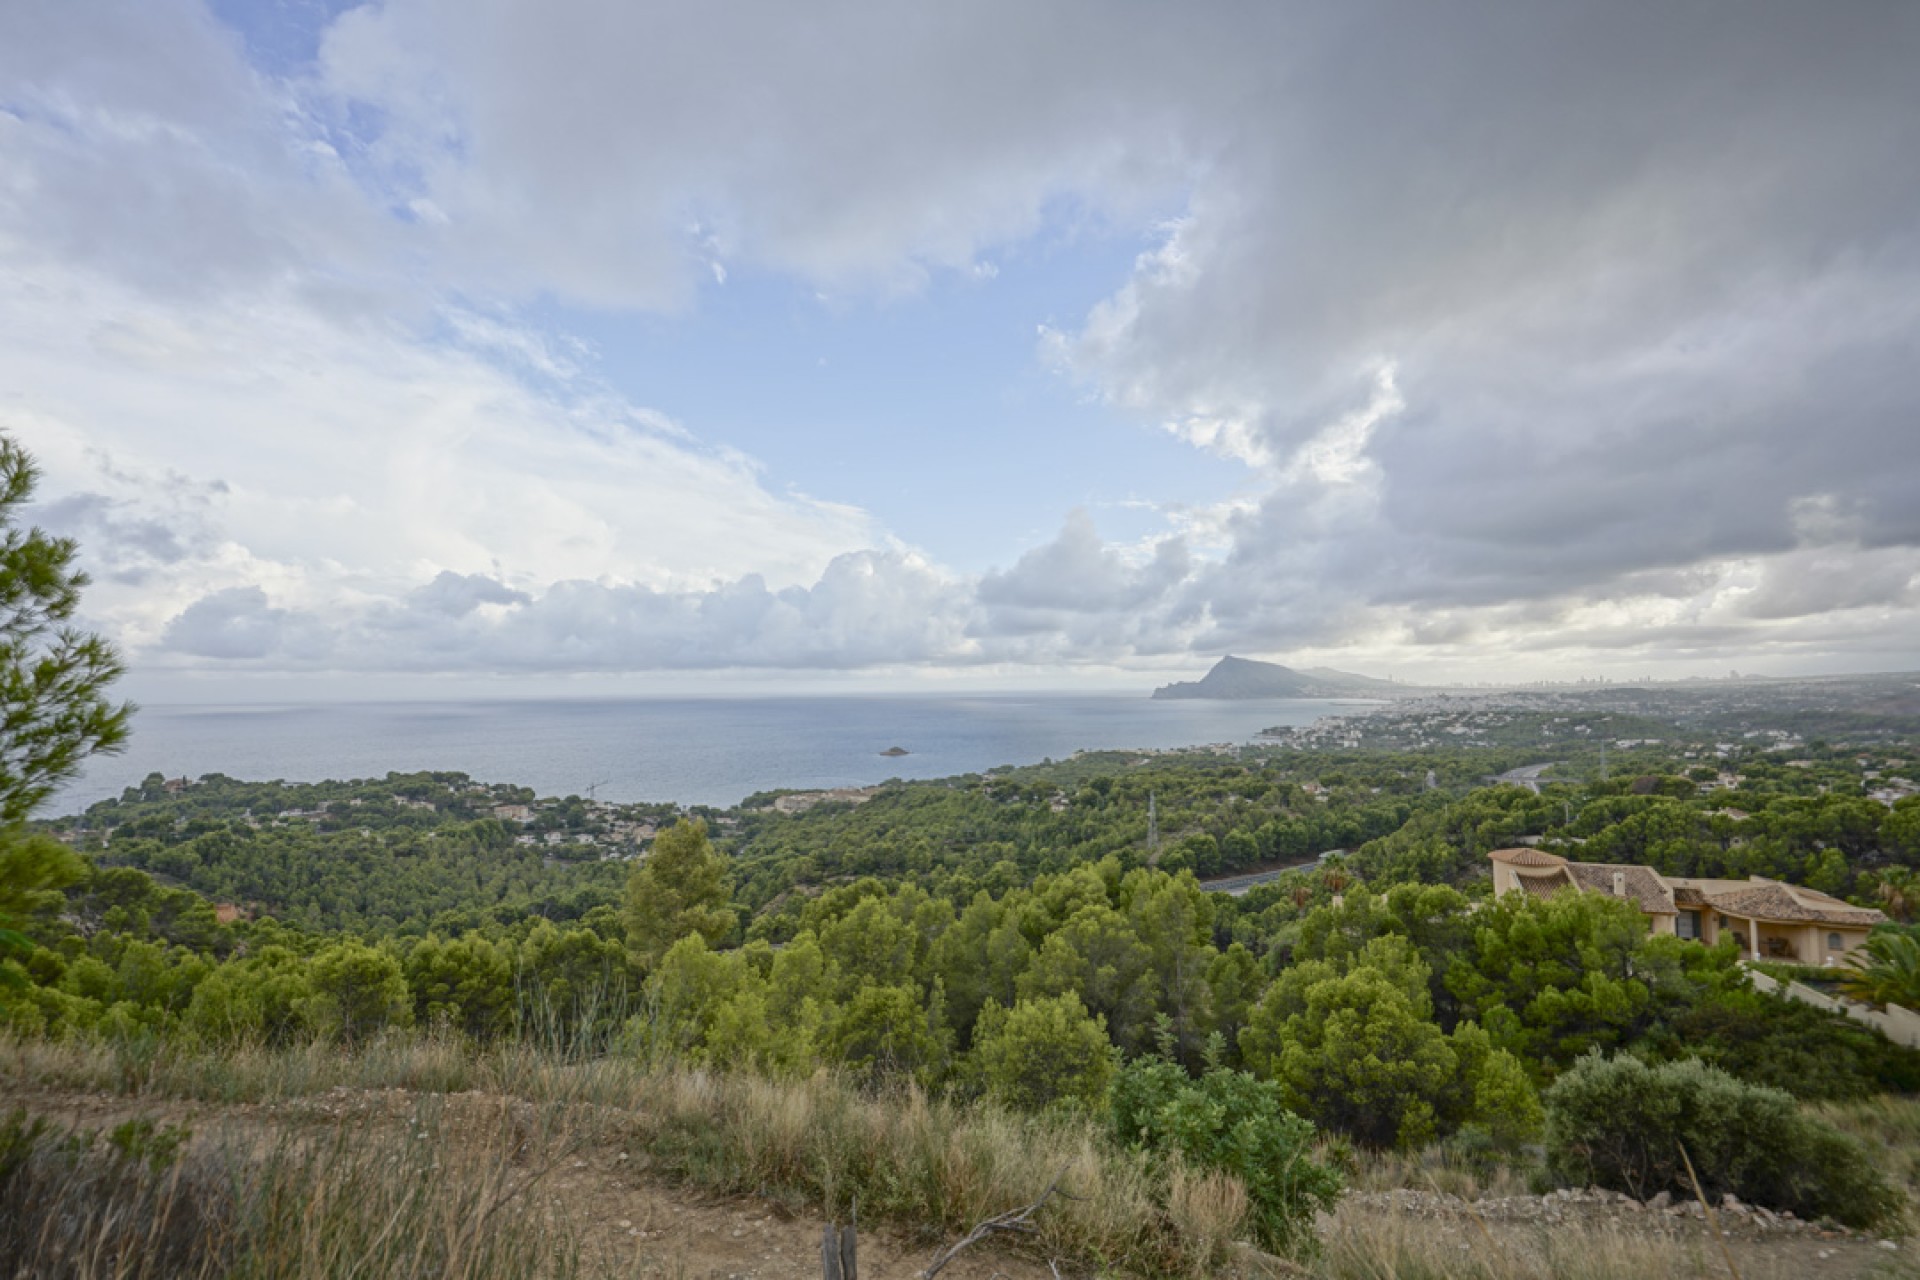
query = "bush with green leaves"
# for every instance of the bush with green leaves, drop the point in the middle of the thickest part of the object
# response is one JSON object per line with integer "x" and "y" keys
{"x": 1620, "y": 1124}
{"x": 1230, "y": 1121}
{"x": 1042, "y": 1052}
{"x": 358, "y": 991}
{"x": 1352, "y": 1043}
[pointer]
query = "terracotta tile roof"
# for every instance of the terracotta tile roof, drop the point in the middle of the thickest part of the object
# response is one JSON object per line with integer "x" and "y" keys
{"x": 1546, "y": 886}
{"x": 1767, "y": 901}
{"x": 1543, "y": 874}
{"x": 1645, "y": 889}
{"x": 1524, "y": 857}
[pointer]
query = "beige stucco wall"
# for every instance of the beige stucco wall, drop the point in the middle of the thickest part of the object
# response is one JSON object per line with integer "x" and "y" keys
{"x": 1807, "y": 943}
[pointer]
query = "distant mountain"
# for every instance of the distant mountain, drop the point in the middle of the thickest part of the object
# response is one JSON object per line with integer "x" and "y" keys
{"x": 1244, "y": 679}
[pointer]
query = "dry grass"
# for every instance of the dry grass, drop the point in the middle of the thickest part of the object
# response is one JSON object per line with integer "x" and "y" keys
{"x": 817, "y": 1145}
{"x": 350, "y": 1200}
{"x": 1443, "y": 1169}
{"x": 1209, "y": 1212}
{"x": 1359, "y": 1244}
{"x": 931, "y": 1165}
{"x": 1889, "y": 1125}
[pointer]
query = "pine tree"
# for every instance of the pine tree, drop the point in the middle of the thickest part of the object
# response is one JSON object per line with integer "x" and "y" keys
{"x": 679, "y": 890}
{"x": 54, "y": 711}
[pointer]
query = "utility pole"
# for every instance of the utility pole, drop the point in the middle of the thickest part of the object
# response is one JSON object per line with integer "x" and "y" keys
{"x": 1153, "y": 831}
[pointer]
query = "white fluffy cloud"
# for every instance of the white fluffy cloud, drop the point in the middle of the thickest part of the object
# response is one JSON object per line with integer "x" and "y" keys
{"x": 328, "y": 469}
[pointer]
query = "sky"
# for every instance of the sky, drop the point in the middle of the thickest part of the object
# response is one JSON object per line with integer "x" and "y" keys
{"x": 433, "y": 346}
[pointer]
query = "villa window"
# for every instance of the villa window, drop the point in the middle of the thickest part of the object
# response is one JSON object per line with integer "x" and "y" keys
{"x": 1834, "y": 943}
{"x": 1688, "y": 925}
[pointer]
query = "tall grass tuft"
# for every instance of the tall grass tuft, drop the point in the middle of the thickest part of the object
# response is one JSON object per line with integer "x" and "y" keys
{"x": 939, "y": 1166}
{"x": 351, "y": 1200}
{"x": 1208, "y": 1211}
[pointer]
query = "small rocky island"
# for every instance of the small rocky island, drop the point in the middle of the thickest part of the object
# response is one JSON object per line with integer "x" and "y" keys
{"x": 896, "y": 751}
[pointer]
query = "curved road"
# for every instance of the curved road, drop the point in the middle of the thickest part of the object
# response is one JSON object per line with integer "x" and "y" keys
{"x": 1527, "y": 775}
{"x": 1237, "y": 885}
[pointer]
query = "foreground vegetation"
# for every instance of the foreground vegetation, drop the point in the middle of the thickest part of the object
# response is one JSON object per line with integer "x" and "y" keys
{"x": 425, "y": 1157}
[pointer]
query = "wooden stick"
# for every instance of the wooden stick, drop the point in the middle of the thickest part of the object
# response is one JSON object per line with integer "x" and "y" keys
{"x": 830, "y": 1253}
{"x": 1713, "y": 1219}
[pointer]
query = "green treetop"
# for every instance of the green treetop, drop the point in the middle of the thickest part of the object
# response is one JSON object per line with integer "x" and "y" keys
{"x": 680, "y": 889}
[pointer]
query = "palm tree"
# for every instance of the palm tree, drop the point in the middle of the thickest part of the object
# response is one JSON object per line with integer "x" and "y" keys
{"x": 1898, "y": 892}
{"x": 1888, "y": 972}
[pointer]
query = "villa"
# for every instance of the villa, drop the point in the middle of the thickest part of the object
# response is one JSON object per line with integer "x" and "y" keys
{"x": 1767, "y": 919}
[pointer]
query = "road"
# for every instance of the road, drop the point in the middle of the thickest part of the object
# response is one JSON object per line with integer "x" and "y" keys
{"x": 1237, "y": 885}
{"x": 1527, "y": 775}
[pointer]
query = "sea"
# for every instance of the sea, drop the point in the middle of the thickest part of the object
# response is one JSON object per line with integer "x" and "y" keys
{"x": 712, "y": 751}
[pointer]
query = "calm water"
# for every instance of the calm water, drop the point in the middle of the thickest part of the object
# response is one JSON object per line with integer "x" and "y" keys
{"x": 694, "y": 751}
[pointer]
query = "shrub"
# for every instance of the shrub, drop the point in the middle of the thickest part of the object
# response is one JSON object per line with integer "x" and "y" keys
{"x": 358, "y": 991}
{"x": 1621, "y": 1124}
{"x": 1233, "y": 1123}
{"x": 1041, "y": 1052}
{"x": 1771, "y": 1040}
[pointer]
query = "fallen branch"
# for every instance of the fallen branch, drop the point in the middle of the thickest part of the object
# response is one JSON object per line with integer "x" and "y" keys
{"x": 1012, "y": 1220}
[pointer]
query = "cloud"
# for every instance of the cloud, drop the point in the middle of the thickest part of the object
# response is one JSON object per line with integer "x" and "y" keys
{"x": 139, "y": 140}
{"x": 619, "y": 154}
{"x": 1567, "y": 331}
{"x": 338, "y": 467}
{"x": 1642, "y": 286}
{"x": 866, "y": 608}
{"x": 1078, "y": 572}
{"x": 238, "y": 623}
{"x": 455, "y": 595}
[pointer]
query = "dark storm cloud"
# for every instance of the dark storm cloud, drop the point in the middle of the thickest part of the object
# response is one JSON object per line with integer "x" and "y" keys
{"x": 1646, "y": 278}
